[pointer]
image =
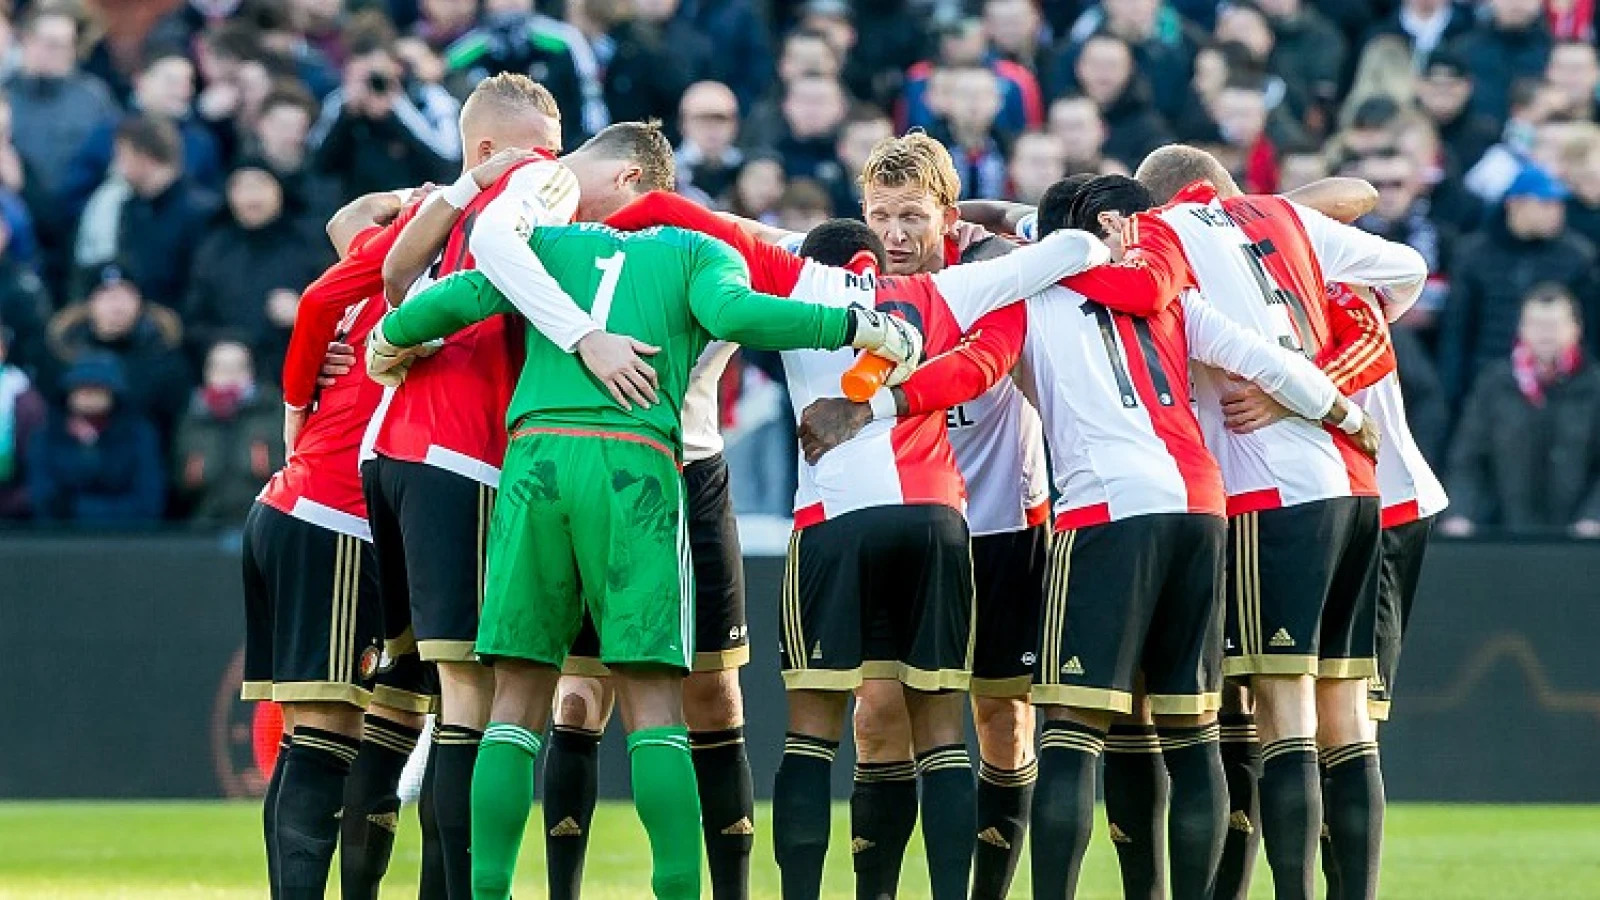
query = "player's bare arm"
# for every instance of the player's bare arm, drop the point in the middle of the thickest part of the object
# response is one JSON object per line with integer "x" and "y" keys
{"x": 1340, "y": 199}
{"x": 1001, "y": 216}
{"x": 767, "y": 234}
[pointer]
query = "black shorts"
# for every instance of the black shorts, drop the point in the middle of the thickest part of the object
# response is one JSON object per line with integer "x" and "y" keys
{"x": 1131, "y": 596}
{"x": 882, "y": 592}
{"x": 721, "y": 633}
{"x": 1008, "y": 569}
{"x": 313, "y": 624}
{"x": 430, "y": 528}
{"x": 1404, "y": 547}
{"x": 407, "y": 684}
{"x": 1303, "y": 590}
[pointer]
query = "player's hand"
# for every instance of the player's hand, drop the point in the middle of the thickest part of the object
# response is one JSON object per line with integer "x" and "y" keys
{"x": 387, "y": 364}
{"x": 1246, "y": 407}
{"x": 339, "y": 360}
{"x": 618, "y": 361}
{"x": 1369, "y": 437}
{"x": 890, "y": 337}
{"x": 490, "y": 170}
{"x": 829, "y": 422}
{"x": 1457, "y": 526}
{"x": 293, "y": 421}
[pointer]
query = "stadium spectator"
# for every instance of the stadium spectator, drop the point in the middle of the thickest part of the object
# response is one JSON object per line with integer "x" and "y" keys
{"x": 1106, "y": 74}
{"x": 758, "y": 189}
{"x": 54, "y": 105}
{"x": 1403, "y": 214}
{"x": 24, "y": 308}
{"x": 1580, "y": 172}
{"x": 642, "y": 76}
{"x": 147, "y": 217}
{"x": 863, "y": 128}
{"x": 279, "y": 142}
{"x": 164, "y": 88}
{"x": 380, "y": 129}
{"x": 969, "y": 129}
{"x": 512, "y": 36}
{"x": 708, "y": 155}
{"x": 249, "y": 271}
{"x": 1250, "y": 45}
{"x": 441, "y": 23}
{"x": 22, "y": 415}
{"x": 1163, "y": 46}
{"x": 803, "y": 206}
{"x": 1449, "y": 199}
{"x": 1444, "y": 93}
{"x": 1574, "y": 72}
{"x": 1015, "y": 32}
{"x": 805, "y": 54}
{"x": 1307, "y": 51}
{"x": 743, "y": 50}
{"x": 883, "y": 49}
{"x": 1038, "y": 160}
{"x": 1425, "y": 25}
{"x": 21, "y": 200}
{"x": 1527, "y": 455}
{"x": 963, "y": 45}
{"x": 1384, "y": 69}
{"x": 1299, "y": 167}
{"x": 146, "y": 339}
{"x": 1512, "y": 42}
{"x": 1241, "y": 111}
{"x": 1077, "y": 122}
{"x": 231, "y": 439}
{"x": 813, "y": 109}
{"x": 97, "y": 460}
{"x": 1528, "y": 243}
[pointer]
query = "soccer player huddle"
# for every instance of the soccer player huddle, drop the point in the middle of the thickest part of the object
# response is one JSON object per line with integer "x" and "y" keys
{"x": 514, "y": 513}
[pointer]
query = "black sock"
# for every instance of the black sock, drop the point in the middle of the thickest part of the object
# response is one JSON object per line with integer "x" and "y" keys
{"x": 457, "y": 748}
{"x": 950, "y": 835}
{"x": 1241, "y": 763}
{"x": 309, "y": 800}
{"x": 372, "y": 806}
{"x": 571, "y": 778}
{"x": 883, "y": 813}
{"x": 1063, "y": 807}
{"x": 727, "y": 808}
{"x": 1005, "y": 798}
{"x": 1136, "y": 806}
{"x": 800, "y": 814}
{"x": 269, "y": 813}
{"x": 1332, "y": 883}
{"x": 432, "y": 883}
{"x": 1291, "y": 815}
{"x": 1353, "y": 808}
{"x": 1198, "y": 821}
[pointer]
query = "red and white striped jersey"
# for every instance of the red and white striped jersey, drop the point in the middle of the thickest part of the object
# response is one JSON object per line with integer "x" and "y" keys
{"x": 450, "y": 411}
{"x": 1114, "y": 393}
{"x": 1406, "y": 483}
{"x": 1263, "y": 262}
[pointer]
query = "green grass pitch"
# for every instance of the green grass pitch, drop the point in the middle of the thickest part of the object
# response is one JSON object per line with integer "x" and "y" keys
{"x": 76, "y": 851}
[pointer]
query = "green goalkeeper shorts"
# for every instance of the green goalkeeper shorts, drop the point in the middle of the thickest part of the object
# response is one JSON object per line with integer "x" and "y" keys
{"x": 588, "y": 518}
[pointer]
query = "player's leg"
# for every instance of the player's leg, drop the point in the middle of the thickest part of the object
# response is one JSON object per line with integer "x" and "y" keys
{"x": 571, "y": 765}
{"x": 444, "y": 518}
{"x": 932, "y": 616}
{"x": 1009, "y": 571}
{"x": 1183, "y": 673}
{"x": 389, "y": 735}
{"x": 1353, "y": 795}
{"x": 1241, "y": 764}
{"x": 1136, "y": 798}
{"x": 650, "y": 698}
{"x": 713, "y": 704}
{"x": 883, "y": 791}
{"x": 1063, "y": 802}
{"x": 257, "y": 687}
{"x": 820, "y": 633}
{"x": 531, "y": 614}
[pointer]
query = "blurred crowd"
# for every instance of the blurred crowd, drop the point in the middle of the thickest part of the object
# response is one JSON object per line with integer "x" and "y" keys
{"x": 164, "y": 179}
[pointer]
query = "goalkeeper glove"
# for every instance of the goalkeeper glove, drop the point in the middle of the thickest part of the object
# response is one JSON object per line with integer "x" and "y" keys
{"x": 890, "y": 337}
{"x": 387, "y": 363}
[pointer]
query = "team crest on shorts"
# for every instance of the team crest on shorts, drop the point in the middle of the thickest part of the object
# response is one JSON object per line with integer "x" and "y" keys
{"x": 370, "y": 658}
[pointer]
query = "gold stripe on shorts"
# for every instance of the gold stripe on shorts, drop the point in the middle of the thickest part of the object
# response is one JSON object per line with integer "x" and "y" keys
{"x": 793, "y": 628}
{"x": 1247, "y": 582}
{"x": 1055, "y": 609}
{"x": 972, "y": 610}
{"x": 336, "y": 606}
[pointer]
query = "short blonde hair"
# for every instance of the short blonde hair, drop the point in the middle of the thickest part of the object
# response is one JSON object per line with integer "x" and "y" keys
{"x": 513, "y": 90}
{"x": 914, "y": 160}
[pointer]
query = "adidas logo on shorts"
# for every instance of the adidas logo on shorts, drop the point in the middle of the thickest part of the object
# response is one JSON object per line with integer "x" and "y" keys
{"x": 1281, "y": 638}
{"x": 816, "y": 650}
{"x": 1072, "y": 667}
{"x": 993, "y": 837}
{"x": 567, "y": 827}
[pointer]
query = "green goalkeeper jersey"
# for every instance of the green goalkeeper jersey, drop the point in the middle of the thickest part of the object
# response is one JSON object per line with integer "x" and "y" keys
{"x": 668, "y": 287}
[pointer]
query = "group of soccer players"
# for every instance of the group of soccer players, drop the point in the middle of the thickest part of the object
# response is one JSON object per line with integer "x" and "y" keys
{"x": 515, "y": 515}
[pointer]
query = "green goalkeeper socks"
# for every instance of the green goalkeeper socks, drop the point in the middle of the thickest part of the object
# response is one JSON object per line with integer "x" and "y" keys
{"x": 502, "y": 796}
{"x": 668, "y": 801}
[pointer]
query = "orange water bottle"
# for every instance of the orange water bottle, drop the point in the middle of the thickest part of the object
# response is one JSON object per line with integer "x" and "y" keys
{"x": 865, "y": 376}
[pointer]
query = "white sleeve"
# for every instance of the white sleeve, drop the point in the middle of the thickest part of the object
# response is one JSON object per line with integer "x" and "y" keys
{"x": 1351, "y": 255}
{"x": 974, "y": 289}
{"x": 1290, "y": 378}
{"x": 544, "y": 193}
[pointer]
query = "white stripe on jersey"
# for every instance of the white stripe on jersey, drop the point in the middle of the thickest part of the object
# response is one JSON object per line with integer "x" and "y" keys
{"x": 999, "y": 445}
{"x": 702, "y": 436}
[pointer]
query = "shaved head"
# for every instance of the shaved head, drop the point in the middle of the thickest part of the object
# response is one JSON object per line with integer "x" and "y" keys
{"x": 508, "y": 110}
{"x": 1168, "y": 170}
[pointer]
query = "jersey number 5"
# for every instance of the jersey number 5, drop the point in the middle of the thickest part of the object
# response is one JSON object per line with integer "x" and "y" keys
{"x": 610, "y": 271}
{"x": 1106, "y": 319}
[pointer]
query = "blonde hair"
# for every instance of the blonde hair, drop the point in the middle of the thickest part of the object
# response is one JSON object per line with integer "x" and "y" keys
{"x": 644, "y": 145}
{"x": 513, "y": 91}
{"x": 1386, "y": 69}
{"x": 914, "y": 160}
